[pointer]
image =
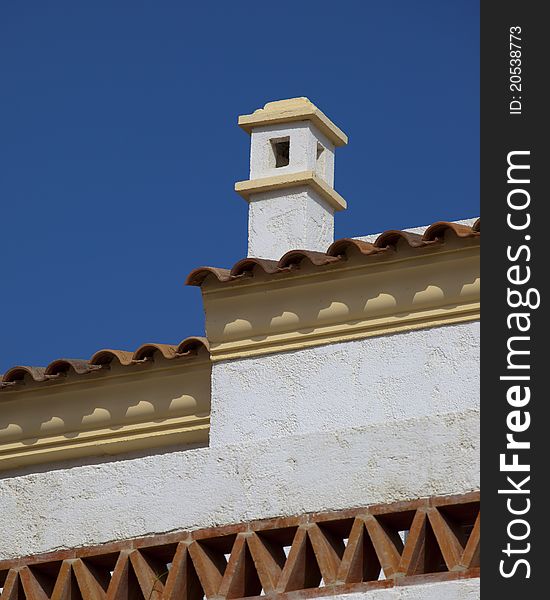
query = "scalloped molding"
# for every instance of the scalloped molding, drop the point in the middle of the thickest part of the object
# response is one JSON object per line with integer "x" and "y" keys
{"x": 265, "y": 314}
{"x": 107, "y": 412}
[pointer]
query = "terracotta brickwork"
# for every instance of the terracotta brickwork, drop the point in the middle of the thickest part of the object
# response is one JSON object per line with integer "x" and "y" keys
{"x": 310, "y": 555}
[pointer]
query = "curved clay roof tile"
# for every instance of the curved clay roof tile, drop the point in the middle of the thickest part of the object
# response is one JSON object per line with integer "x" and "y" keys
{"x": 107, "y": 356}
{"x": 149, "y": 350}
{"x": 441, "y": 228}
{"x": 343, "y": 246}
{"x": 199, "y": 275}
{"x": 247, "y": 265}
{"x": 393, "y": 236}
{"x": 64, "y": 365}
{"x": 295, "y": 257}
{"x": 20, "y": 372}
{"x": 193, "y": 344}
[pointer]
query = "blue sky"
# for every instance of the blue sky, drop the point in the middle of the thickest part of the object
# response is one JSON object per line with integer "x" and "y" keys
{"x": 119, "y": 146}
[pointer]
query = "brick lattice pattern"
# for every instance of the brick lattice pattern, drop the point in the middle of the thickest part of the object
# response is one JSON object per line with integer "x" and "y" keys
{"x": 296, "y": 557}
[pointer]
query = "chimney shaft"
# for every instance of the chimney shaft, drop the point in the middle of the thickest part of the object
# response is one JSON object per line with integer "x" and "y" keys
{"x": 290, "y": 191}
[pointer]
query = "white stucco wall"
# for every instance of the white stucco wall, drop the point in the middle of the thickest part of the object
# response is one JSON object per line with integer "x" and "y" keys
{"x": 343, "y": 468}
{"x": 283, "y": 220}
{"x": 374, "y": 380}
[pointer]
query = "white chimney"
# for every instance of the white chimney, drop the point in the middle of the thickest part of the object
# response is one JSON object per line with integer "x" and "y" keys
{"x": 290, "y": 192}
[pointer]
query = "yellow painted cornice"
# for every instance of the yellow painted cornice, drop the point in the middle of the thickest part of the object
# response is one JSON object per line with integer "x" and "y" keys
{"x": 314, "y": 306}
{"x": 278, "y": 182}
{"x": 292, "y": 110}
{"x": 121, "y": 410}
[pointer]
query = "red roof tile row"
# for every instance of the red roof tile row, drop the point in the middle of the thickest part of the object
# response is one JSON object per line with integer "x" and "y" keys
{"x": 102, "y": 360}
{"x": 337, "y": 252}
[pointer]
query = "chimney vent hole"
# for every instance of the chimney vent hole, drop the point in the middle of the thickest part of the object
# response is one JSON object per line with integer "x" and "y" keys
{"x": 320, "y": 149}
{"x": 281, "y": 151}
{"x": 321, "y": 163}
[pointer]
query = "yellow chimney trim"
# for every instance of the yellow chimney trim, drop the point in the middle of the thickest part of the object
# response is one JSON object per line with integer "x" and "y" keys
{"x": 268, "y": 184}
{"x": 292, "y": 110}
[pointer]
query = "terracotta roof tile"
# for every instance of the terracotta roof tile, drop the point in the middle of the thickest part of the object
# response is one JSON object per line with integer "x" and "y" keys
{"x": 295, "y": 257}
{"x": 107, "y": 356}
{"x": 102, "y": 359}
{"x": 343, "y": 246}
{"x": 62, "y": 366}
{"x": 200, "y": 274}
{"x": 16, "y": 374}
{"x": 248, "y": 264}
{"x": 439, "y": 229}
{"x": 392, "y": 237}
{"x": 389, "y": 241}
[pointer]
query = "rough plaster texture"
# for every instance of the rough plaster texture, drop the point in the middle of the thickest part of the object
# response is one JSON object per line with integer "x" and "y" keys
{"x": 466, "y": 589}
{"x": 91, "y": 504}
{"x": 373, "y": 380}
{"x": 304, "y": 140}
{"x": 283, "y": 220}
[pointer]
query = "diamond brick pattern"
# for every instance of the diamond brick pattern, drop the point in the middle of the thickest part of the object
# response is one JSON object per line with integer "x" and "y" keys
{"x": 432, "y": 539}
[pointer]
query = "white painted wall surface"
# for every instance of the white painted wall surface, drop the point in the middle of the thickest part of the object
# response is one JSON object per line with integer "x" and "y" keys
{"x": 467, "y": 589}
{"x": 283, "y": 220}
{"x": 343, "y": 468}
{"x": 374, "y": 380}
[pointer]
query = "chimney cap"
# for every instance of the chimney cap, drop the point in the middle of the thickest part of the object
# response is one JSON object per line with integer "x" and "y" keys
{"x": 290, "y": 110}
